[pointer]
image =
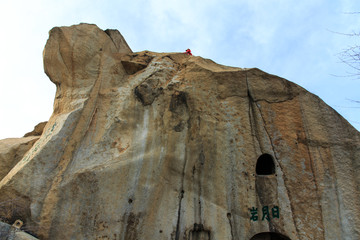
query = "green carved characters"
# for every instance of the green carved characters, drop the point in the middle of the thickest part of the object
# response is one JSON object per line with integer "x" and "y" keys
{"x": 266, "y": 213}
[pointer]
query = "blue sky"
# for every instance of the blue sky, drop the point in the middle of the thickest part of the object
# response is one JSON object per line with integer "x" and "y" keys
{"x": 288, "y": 38}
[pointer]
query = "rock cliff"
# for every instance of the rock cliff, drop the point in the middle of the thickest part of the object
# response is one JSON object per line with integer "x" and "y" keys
{"x": 169, "y": 146}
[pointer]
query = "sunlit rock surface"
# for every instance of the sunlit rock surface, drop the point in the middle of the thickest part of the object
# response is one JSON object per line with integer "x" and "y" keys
{"x": 166, "y": 146}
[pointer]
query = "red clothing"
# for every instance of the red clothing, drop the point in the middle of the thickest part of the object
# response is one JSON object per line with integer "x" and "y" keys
{"x": 188, "y": 52}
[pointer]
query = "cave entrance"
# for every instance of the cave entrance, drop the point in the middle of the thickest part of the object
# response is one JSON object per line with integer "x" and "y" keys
{"x": 199, "y": 233}
{"x": 265, "y": 165}
{"x": 269, "y": 236}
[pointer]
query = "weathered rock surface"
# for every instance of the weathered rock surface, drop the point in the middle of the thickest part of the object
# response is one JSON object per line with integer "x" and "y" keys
{"x": 166, "y": 146}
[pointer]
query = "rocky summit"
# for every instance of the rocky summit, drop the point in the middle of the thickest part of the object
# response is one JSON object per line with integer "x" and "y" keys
{"x": 156, "y": 146}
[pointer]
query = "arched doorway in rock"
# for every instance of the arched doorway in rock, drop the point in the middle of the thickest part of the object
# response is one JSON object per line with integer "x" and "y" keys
{"x": 269, "y": 236}
{"x": 199, "y": 233}
{"x": 265, "y": 165}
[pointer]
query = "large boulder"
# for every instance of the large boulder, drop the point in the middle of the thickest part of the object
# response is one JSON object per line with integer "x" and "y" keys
{"x": 169, "y": 146}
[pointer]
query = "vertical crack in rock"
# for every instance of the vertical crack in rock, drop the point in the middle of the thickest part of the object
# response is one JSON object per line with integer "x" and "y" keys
{"x": 201, "y": 160}
{"x": 181, "y": 196}
{"x": 252, "y": 107}
{"x": 252, "y": 116}
{"x": 228, "y": 215}
{"x": 178, "y": 106}
{"x": 84, "y": 120}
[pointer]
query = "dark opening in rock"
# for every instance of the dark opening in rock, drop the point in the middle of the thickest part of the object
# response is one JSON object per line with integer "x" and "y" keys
{"x": 132, "y": 67}
{"x": 199, "y": 233}
{"x": 18, "y": 224}
{"x": 265, "y": 165}
{"x": 269, "y": 236}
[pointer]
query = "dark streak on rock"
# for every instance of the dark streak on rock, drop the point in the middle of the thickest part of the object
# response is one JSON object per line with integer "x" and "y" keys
{"x": 231, "y": 228}
{"x": 202, "y": 157}
{"x": 178, "y": 99}
{"x": 177, "y": 233}
{"x": 199, "y": 233}
{"x": 132, "y": 222}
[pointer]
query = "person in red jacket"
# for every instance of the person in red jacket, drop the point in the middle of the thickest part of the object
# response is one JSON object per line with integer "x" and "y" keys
{"x": 188, "y": 52}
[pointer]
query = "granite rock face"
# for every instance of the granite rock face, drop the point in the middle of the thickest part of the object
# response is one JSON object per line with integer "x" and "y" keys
{"x": 169, "y": 146}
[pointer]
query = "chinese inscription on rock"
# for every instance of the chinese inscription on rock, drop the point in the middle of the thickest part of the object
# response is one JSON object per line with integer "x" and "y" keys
{"x": 266, "y": 213}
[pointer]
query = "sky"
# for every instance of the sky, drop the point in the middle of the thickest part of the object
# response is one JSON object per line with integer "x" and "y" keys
{"x": 297, "y": 40}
